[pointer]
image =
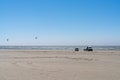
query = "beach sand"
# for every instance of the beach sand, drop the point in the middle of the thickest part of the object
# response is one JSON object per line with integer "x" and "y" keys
{"x": 59, "y": 65}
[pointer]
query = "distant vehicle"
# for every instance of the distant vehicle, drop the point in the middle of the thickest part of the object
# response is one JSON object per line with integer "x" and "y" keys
{"x": 88, "y": 49}
{"x": 76, "y": 49}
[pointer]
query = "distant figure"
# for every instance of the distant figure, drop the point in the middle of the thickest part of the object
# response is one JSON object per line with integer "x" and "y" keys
{"x": 88, "y": 49}
{"x": 76, "y": 49}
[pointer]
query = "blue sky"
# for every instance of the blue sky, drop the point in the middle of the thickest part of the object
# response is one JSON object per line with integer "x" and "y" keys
{"x": 60, "y": 22}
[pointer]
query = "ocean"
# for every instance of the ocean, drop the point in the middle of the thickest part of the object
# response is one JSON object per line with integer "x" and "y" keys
{"x": 58, "y": 47}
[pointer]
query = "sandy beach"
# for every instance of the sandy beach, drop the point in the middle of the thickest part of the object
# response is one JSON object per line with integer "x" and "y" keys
{"x": 59, "y": 65}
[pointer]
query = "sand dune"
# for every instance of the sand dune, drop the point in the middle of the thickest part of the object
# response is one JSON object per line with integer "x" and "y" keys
{"x": 59, "y": 65}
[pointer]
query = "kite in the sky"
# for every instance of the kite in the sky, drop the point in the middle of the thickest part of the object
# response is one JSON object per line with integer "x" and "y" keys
{"x": 36, "y": 37}
{"x": 7, "y": 39}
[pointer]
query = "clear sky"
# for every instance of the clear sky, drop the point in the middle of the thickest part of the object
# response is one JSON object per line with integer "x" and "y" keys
{"x": 60, "y": 22}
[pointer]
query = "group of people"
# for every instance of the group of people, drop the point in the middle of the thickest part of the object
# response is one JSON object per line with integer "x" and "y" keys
{"x": 87, "y": 49}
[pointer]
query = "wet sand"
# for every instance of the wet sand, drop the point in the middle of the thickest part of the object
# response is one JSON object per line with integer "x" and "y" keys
{"x": 59, "y": 65}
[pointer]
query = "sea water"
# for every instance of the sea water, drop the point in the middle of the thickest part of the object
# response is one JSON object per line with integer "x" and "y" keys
{"x": 57, "y": 47}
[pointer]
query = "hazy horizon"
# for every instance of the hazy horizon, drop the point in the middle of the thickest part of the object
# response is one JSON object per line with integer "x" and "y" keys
{"x": 60, "y": 22}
